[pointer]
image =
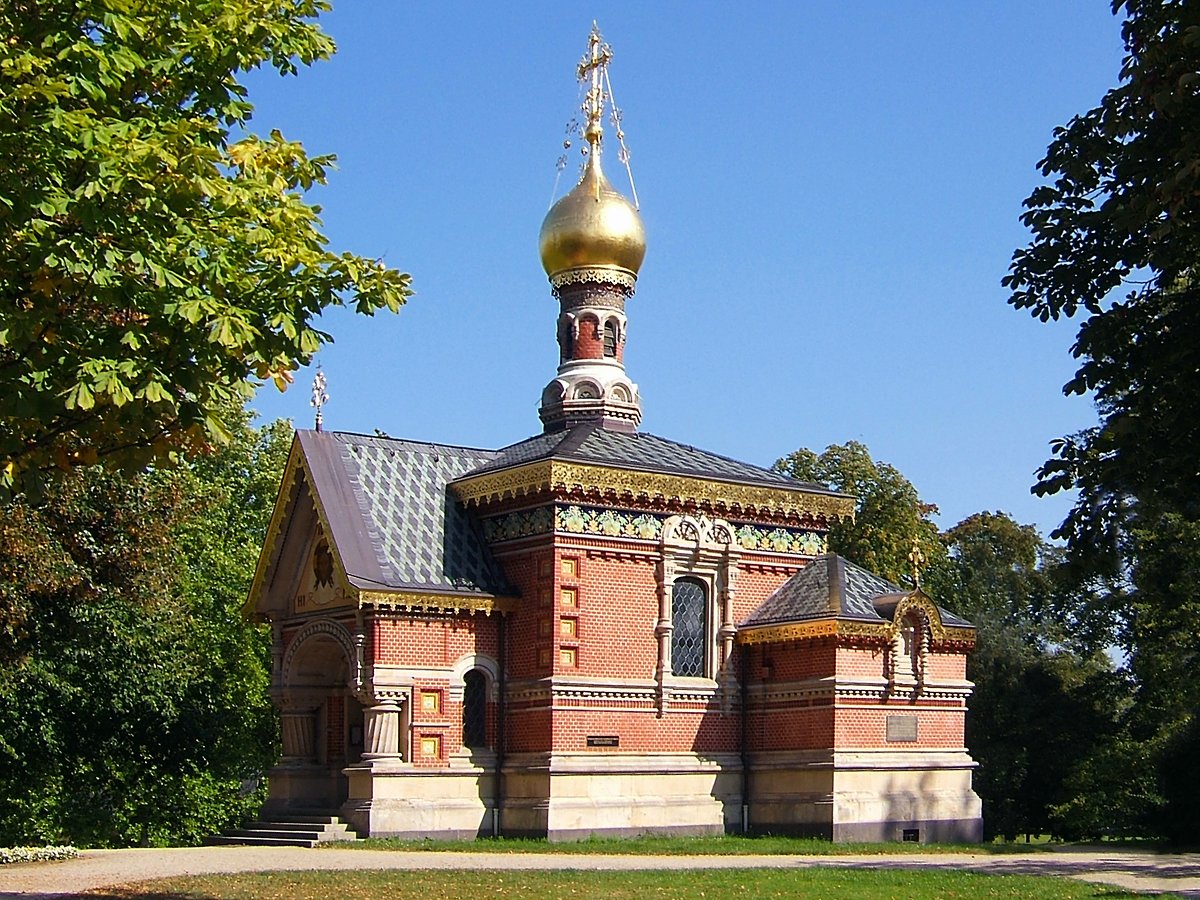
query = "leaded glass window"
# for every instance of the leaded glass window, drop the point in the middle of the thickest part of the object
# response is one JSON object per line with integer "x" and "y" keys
{"x": 474, "y": 709}
{"x": 689, "y": 618}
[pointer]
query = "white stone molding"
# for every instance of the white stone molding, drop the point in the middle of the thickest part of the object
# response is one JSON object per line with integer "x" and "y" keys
{"x": 705, "y": 549}
{"x": 467, "y": 662}
{"x": 324, "y": 627}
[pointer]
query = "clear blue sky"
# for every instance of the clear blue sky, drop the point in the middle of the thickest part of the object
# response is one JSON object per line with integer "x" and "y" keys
{"x": 831, "y": 194}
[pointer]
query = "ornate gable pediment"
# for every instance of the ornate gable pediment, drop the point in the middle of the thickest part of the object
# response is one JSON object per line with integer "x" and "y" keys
{"x": 299, "y": 569}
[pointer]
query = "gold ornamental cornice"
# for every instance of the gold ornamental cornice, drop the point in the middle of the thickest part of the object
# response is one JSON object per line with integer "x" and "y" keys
{"x": 561, "y": 477}
{"x": 413, "y": 601}
{"x": 796, "y": 631}
{"x": 504, "y": 484}
{"x": 950, "y": 636}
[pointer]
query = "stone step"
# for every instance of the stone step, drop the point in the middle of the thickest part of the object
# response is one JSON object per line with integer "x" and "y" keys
{"x": 334, "y": 827}
{"x": 294, "y": 831}
{"x": 220, "y": 840}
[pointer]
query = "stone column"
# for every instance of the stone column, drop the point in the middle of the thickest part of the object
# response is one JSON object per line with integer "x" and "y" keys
{"x": 381, "y": 726}
{"x": 299, "y": 734}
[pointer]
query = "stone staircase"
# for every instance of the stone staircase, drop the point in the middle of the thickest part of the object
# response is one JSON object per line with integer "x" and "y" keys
{"x": 298, "y": 830}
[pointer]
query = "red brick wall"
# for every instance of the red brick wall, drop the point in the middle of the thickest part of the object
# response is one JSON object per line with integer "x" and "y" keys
{"x": 589, "y": 344}
{"x": 403, "y": 640}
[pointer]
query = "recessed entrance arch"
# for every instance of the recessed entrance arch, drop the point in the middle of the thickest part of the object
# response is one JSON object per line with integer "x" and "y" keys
{"x": 321, "y": 717}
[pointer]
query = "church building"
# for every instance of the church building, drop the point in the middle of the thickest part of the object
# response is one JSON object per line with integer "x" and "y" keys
{"x": 597, "y": 631}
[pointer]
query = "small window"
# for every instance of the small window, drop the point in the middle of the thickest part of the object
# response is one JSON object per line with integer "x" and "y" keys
{"x": 474, "y": 709}
{"x": 566, "y": 340}
{"x": 689, "y": 633}
{"x": 906, "y": 654}
{"x": 610, "y": 338}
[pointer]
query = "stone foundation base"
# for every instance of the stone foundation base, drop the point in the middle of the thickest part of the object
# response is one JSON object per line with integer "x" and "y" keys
{"x": 391, "y": 798}
{"x": 867, "y": 795}
{"x": 294, "y": 787}
{"x": 565, "y": 797}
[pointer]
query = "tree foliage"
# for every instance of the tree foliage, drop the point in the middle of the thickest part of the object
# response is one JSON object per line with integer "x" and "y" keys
{"x": 132, "y": 694}
{"x": 1040, "y": 708}
{"x": 155, "y": 261}
{"x": 1121, "y": 214}
{"x": 1116, "y": 236}
{"x": 890, "y": 515}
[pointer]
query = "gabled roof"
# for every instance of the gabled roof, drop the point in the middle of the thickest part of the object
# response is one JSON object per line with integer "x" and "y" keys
{"x": 833, "y": 587}
{"x": 394, "y": 525}
{"x": 593, "y": 444}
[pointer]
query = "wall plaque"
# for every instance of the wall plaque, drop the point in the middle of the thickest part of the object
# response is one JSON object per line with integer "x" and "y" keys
{"x": 603, "y": 740}
{"x": 901, "y": 729}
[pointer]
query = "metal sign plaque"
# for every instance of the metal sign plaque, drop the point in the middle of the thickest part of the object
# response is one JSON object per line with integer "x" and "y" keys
{"x": 603, "y": 740}
{"x": 901, "y": 729}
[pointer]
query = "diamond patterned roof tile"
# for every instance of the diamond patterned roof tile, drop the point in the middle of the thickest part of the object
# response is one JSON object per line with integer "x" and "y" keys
{"x": 392, "y": 515}
{"x": 592, "y": 443}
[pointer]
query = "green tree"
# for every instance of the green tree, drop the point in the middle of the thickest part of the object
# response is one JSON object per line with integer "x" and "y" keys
{"x": 132, "y": 692}
{"x": 1041, "y": 705}
{"x": 890, "y": 515}
{"x": 155, "y": 264}
{"x": 1116, "y": 233}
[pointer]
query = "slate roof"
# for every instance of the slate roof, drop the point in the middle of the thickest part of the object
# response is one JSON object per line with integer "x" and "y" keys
{"x": 833, "y": 586}
{"x": 592, "y": 443}
{"x": 395, "y": 524}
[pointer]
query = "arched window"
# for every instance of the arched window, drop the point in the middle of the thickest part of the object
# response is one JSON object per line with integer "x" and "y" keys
{"x": 474, "y": 709}
{"x": 906, "y": 653}
{"x": 689, "y": 631}
{"x": 610, "y": 338}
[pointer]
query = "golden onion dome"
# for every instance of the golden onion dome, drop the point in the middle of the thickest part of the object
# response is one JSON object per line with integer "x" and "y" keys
{"x": 592, "y": 226}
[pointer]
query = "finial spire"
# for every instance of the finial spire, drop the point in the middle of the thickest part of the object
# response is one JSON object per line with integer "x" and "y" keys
{"x": 593, "y": 68}
{"x": 917, "y": 559}
{"x": 319, "y": 397}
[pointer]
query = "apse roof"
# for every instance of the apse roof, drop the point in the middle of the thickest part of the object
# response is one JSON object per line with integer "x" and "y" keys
{"x": 592, "y": 443}
{"x": 395, "y": 525}
{"x": 832, "y": 586}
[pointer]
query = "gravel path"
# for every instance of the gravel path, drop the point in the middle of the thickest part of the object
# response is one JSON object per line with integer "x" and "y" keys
{"x": 104, "y": 868}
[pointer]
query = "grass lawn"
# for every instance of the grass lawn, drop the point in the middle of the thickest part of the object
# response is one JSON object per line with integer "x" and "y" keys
{"x": 716, "y": 845}
{"x": 852, "y": 884}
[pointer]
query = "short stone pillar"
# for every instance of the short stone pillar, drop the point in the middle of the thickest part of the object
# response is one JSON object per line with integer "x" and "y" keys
{"x": 299, "y": 734}
{"x": 381, "y": 724}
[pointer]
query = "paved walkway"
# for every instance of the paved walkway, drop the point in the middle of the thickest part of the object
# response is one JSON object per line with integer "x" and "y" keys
{"x": 1148, "y": 872}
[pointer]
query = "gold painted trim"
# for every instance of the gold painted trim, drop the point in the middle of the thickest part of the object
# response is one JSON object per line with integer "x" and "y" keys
{"x": 275, "y": 529}
{"x": 415, "y": 602}
{"x": 774, "y": 634}
{"x": 296, "y": 463}
{"x": 528, "y": 479}
{"x": 558, "y": 476}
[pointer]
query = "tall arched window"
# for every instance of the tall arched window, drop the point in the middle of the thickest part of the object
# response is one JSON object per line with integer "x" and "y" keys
{"x": 689, "y": 627}
{"x": 610, "y": 338}
{"x": 474, "y": 709}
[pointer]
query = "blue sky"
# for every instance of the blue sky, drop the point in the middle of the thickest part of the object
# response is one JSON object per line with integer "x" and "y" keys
{"x": 831, "y": 194}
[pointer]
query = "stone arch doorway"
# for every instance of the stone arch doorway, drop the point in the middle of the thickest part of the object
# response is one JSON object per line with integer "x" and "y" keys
{"x": 321, "y": 718}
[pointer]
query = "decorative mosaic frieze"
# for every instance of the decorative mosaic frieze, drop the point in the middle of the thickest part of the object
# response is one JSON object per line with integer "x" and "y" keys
{"x": 520, "y": 524}
{"x": 608, "y": 522}
{"x": 780, "y": 540}
{"x": 638, "y": 526}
